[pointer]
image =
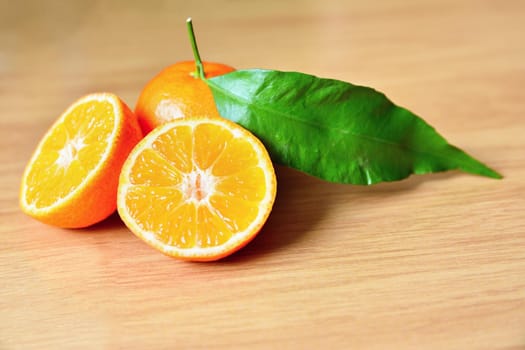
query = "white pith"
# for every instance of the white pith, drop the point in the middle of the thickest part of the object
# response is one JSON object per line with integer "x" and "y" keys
{"x": 69, "y": 152}
{"x": 198, "y": 185}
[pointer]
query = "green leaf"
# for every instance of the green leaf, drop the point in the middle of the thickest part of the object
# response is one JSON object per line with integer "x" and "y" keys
{"x": 335, "y": 130}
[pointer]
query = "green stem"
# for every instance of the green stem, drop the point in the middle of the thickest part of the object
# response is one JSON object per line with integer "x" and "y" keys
{"x": 199, "y": 71}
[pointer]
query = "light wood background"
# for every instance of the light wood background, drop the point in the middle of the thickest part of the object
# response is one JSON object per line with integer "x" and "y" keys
{"x": 432, "y": 262}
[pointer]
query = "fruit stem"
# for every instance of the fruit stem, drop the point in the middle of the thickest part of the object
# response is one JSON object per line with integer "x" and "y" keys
{"x": 199, "y": 71}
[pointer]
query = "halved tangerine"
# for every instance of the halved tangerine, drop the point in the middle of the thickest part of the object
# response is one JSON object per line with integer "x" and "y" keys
{"x": 72, "y": 178}
{"x": 197, "y": 188}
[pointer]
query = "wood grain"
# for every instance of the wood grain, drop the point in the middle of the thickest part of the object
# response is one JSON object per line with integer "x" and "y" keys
{"x": 432, "y": 262}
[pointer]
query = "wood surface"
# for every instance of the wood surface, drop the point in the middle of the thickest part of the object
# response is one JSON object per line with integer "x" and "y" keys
{"x": 432, "y": 262}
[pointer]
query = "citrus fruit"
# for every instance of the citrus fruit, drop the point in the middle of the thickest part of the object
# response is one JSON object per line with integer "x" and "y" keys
{"x": 177, "y": 92}
{"x": 72, "y": 178}
{"x": 197, "y": 188}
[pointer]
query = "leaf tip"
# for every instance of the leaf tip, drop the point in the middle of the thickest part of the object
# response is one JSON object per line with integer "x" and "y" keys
{"x": 482, "y": 170}
{"x": 493, "y": 174}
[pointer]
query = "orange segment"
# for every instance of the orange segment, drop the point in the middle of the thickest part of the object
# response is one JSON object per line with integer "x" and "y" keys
{"x": 147, "y": 204}
{"x": 212, "y": 229}
{"x": 249, "y": 191}
{"x": 197, "y": 188}
{"x": 236, "y": 213}
{"x": 151, "y": 168}
{"x": 72, "y": 177}
{"x": 240, "y": 155}
{"x": 209, "y": 143}
{"x": 177, "y": 147}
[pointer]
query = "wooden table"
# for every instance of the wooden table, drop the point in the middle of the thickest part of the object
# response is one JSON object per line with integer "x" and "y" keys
{"x": 432, "y": 262}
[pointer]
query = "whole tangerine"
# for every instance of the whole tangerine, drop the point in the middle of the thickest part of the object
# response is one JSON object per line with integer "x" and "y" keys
{"x": 178, "y": 92}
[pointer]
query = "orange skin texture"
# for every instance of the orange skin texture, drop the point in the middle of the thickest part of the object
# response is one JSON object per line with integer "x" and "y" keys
{"x": 179, "y": 93}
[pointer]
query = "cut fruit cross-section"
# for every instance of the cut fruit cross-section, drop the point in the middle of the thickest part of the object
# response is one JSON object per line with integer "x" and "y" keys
{"x": 72, "y": 178}
{"x": 197, "y": 188}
